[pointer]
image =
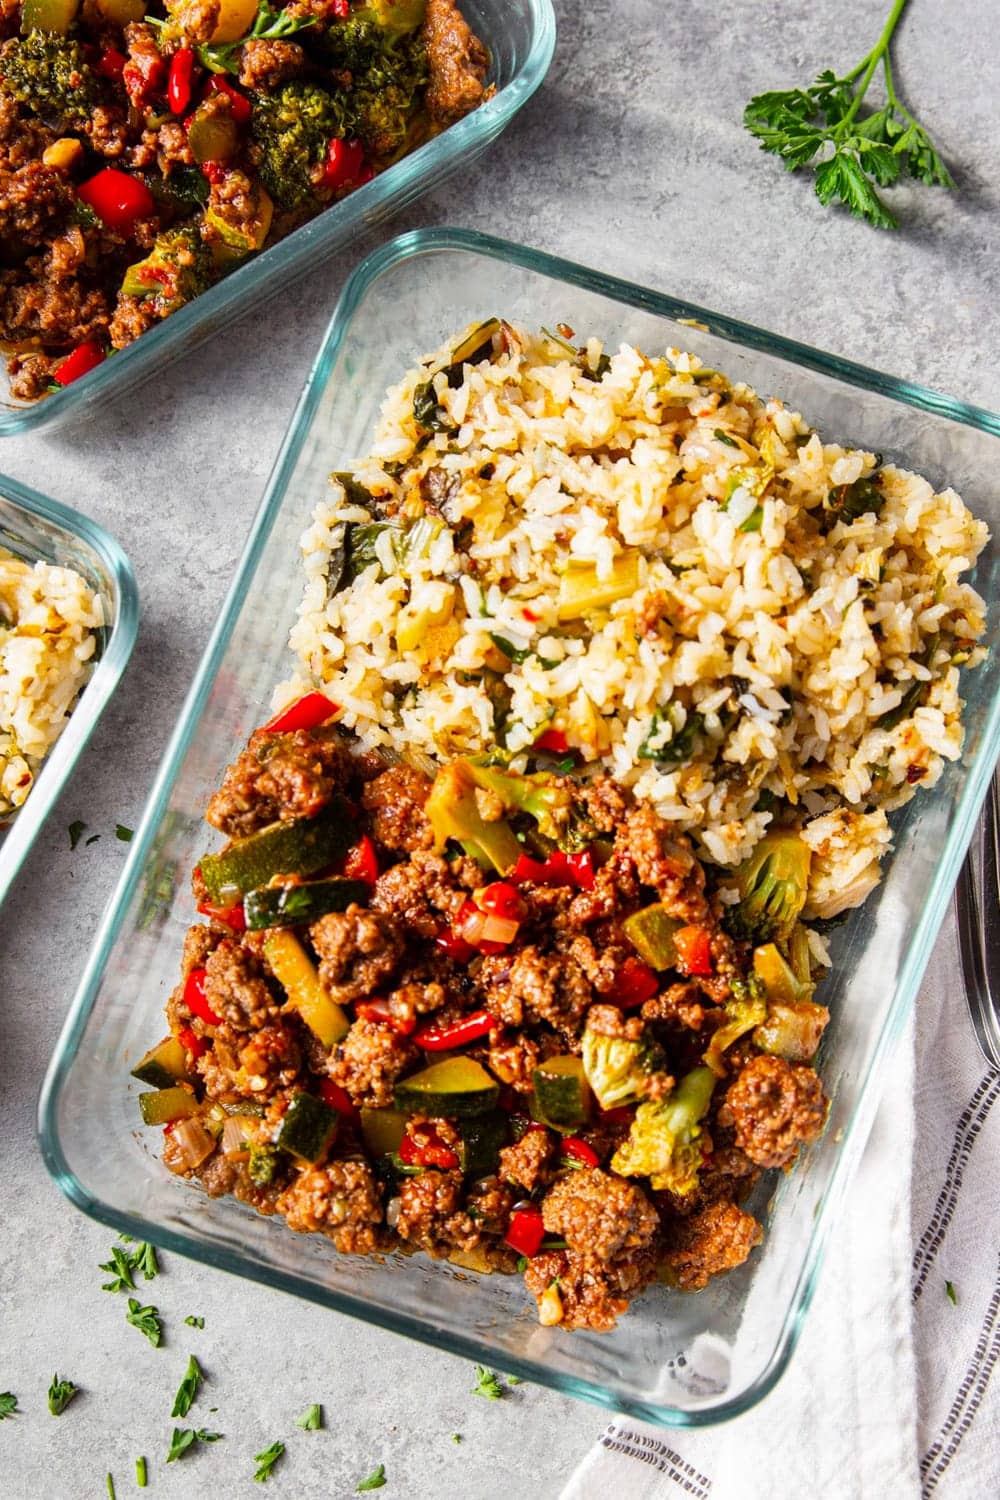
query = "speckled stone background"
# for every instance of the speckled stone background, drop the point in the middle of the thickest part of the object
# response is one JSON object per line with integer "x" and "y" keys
{"x": 631, "y": 158}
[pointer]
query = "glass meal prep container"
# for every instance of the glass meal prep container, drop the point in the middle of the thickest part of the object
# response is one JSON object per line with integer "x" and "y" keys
{"x": 675, "y": 1358}
{"x": 520, "y": 36}
{"x": 37, "y": 529}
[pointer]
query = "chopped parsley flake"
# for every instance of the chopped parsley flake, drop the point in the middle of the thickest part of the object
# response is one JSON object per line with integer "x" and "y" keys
{"x": 950, "y": 1292}
{"x": 311, "y": 1419}
{"x": 119, "y": 1268}
{"x": 111, "y": 1488}
{"x": 266, "y": 1461}
{"x": 8, "y": 1404}
{"x": 188, "y": 1389}
{"x": 140, "y": 1473}
{"x": 123, "y": 833}
{"x": 76, "y": 830}
{"x": 182, "y": 1438}
{"x": 146, "y": 1319}
{"x": 487, "y": 1384}
{"x": 374, "y": 1481}
{"x": 193, "y": 1322}
{"x": 514, "y": 1380}
{"x": 61, "y": 1393}
{"x": 456, "y": 1437}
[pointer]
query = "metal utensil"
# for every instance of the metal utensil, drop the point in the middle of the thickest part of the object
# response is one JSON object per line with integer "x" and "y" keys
{"x": 977, "y": 902}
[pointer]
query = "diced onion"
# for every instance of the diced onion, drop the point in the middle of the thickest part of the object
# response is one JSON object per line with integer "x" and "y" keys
{"x": 392, "y": 1212}
{"x": 192, "y": 1142}
{"x": 499, "y": 929}
{"x": 233, "y": 1139}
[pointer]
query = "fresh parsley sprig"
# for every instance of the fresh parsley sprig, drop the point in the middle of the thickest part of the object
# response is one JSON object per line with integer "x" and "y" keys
{"x": 266, "y": 1461}
{"x": 146, "y": 1319}
{"x": 852, "y": 152}
{"x": 188, "y": 1389}
{"x": 487, "y": 1384}
{"x": 373, "y": 1481}
{"x": 61, "y": 1393}
{"x": 311, "y": 1419}
{"x": 183, "y": 1438}
{"x": 269, "y": 25}
{"x": 8, "y": 1404}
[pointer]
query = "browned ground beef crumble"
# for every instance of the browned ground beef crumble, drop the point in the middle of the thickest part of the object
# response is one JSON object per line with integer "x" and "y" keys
{"x": 607, "y": 1236}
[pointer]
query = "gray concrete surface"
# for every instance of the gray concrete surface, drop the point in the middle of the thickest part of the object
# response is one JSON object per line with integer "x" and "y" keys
{"x": 631, "y": 158}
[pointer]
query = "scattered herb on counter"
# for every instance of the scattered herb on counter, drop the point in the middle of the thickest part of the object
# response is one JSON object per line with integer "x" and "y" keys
{"x": 8, "y": 1404}
{"x": 111, "y": 1488}
{"x": 119, "y": 1267}
{"x": 144, "y": 1259}
{"x": 311, "y": 1419}
{"x": 266, "y": 1461}
{"x": 487, "y": 1384}
{"x": 193, "y": 1322}
{"x": 188, "y": 1389}
{"x": 950, "y": 1292}
{"x": 123, "y": 833}
{"x": 61, "y": 1393}
{"x": 183, "y": 1438}
{"x": 374, "y": 1481}
{"x": 851, "y": 152}
{"x": 456, "y": 1437}
{"x": 140, "y": 1473}
{"x": 93, "y": 839}
{"x": 146, "y": 1319}
{"x": 76, "y": 830}
{"x": 514, "y": 1380}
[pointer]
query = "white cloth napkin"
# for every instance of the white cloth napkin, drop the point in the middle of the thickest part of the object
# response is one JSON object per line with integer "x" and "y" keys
{"x": 889, "y": 1395}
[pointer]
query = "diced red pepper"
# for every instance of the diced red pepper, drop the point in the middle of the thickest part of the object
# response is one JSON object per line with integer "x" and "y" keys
{"x": 341, "y": 9}
{"x": 362, "y": 861}
{"x": 502, "y": 900}
{"x": 117, "y": 198}
{"x": 552, "y": 740}
{"x": 694, "y": 950}
{"x": 111, "y": 64}
{"x": 581, "y": 867}
{"x": 339, "y": 1099}
{"x": 84, "y": 358}
{"x": 215, "y": 171}
{"x": 192, "y": 1042}
{"x": 454, "y": 947}
{"x": 484, "y": 931}
{"x": 554, "y": 870}
{"x": 239, "y": 105}
{"x": 230, "y": 916}
{"x": 458, "y": 1034}
{"x": 428, "y": 1152}
{"x": 344, "y": 163}
{"x": 380, "y": 1011}
{"x": 194, "y": 998}
{"x": 579, "y": 1151}
{"x": 180, "y": 82}
{"x": 525, "y": 1231}
{"x": 634, "y": 983}
{"x": 307, "y": 712}
{"x": 530, "y": 616}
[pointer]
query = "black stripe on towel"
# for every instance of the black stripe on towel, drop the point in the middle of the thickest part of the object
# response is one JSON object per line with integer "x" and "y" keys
{"x": 652, "y": 1451}
{"x": 966, "y": 1403}
{"x": 970, "y": 1123}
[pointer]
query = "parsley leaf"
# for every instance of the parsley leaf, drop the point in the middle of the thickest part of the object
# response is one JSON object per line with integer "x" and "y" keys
{"x": 123, "y": 833}
{"x": 140, "y": 1473}
{"x": 487, "y": 1384}
{"x": 146, "y": 1319}
{"x": 514, "y": 1380}
{"x": 144, "y": 1259}
{"x": 182, "y": 1438}
{"x": 311, "y": 1419}
{"x": 61, "y": 1393}
{"x": 266, "y": 1461}
{"x": 188, "y": 1389}
{"x": 950, "y": 1292}
{"x": 193, "y": 1322}
{"x": 76, "y": 830}
{"x": 374, "y": 1481}
{"x": 456, "y": 1437}
{"x": 120, "y": 1268}
{"x": 111, "y": 1488}
{"x": 824, "y": 128}
{"x": 8, "y": 1404}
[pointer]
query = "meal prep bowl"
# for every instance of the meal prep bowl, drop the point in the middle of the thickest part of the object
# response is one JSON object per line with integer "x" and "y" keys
{"x": 37, "y": 529}
{"x": 675, "y": 1358}
{"x": 520, "y": 35}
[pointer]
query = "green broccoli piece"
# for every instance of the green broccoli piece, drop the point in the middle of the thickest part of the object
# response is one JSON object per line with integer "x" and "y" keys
{"x": 49, "y": 75}
{"x": 176, "y": 270}
{"x": 772, "y": 884}
{"x": 385, "y": 99}
{"x": 293, "y": 127}
{"x": 454, "y": 813}
{"x": 547, "y": 799}
{"x": 745, "y": 1009}
{"x": 618, "y": 1070}
{"x": 664, "y": 1142}
{"x": 364, "y": 37}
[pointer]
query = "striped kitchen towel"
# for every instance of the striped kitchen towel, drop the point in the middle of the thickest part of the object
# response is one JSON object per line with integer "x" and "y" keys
{"x": 889, "y": 1395}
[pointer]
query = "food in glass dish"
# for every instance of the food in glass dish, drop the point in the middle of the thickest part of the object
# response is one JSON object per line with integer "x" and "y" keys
{"x": 149, "y": 150}
{"x": 49, "y": 624}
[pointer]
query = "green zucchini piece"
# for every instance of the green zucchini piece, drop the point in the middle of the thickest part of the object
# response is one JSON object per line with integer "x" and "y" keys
{"x": 295, "y": 905}
{"x": 307, "y": 1128}
{"x": 167, "y": 1105}
{"x": 562, "y": 1094}
{"x": 164, "y": 1065}
{"x": 455, "y": 1085}
{"x": 581, "y": 591}
{"x": 301, "y": 846}
{"x": 651, "y": 933}
{"x": 482, "y": 1137}
{"x": 382, "y": 1130}
{"x": 778, "y": 978}
{"x": 296, "y": 972}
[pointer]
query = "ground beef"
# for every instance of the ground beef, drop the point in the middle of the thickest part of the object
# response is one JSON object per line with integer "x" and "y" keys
{"x": 615, "y": 888}
{"x": 458, "y": 63}
{"x": 32, "y": 199}
{"x": 599, "y": 1214}
{"x": 31, "y": 374}
{"x": 36, "y": 303}
{"x": 264, "y": 63}
{"x": 359, "y": 950}
{"x": 199, "y": 942}
{"x": 194, "y": 21}
{"x": 529, "y": 1163}
{"x": 715, "y": 1239}
{"x": 534, "y": 986}
{"x": 236, "y": 988}
{"x": 608, "y": 1020}
{"x": 775, "y": 1107}
{"x": 603, "y": 802}
{"x": 513, "y": 1056}
{"x": 250, "y": 1066}
{"x": 342, "y": 1200}
{"x": 431, "y": 1213}
{"x": 678, "y": 1005}
{"x": 145, "y": 73}
{"x": 577, "y": 1291}
{"x": 414, "y": 999}
{"x": 108, "y": 131}
{"x": 601, "y": 960}
{"x": 238, "y": 213}
{"x": 395, "y": 800}
{"x": 132, "y": 317}
{"x": 663, "y": 861}
{"x": 278, "y": 776}
{"x": 489, "y": 1204}
{"x": 368, "y": 1061}
{"x": 218, "y": 1175}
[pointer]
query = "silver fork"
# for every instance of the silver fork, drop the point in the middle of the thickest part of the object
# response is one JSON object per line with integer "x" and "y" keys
{"x": 977, "y": 902}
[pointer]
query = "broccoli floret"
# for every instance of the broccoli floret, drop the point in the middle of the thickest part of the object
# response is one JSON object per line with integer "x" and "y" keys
{"x": 547, "y": 799}
{"x": 49, "y": 75}
{"x": 176, "y": 270}
{"x": 363, "y": 37}
{"x": 386, "y": 96}
{"x": 664, "y": 1142}
{"x": 293, "y": 127}
{"x": 772, "y": 884}
{"x": 454, "y": 813}
{"x": 618, "y": 1070}
{"x": 745, "y": 1009}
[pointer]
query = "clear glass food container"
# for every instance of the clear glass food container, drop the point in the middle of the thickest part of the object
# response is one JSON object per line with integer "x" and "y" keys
{"x": 675, "y": 1358}
{"x": 520, "y": 35}
{"x": 41, "y": 530}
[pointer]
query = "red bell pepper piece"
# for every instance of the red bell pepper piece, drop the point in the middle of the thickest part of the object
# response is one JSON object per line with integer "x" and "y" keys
{"x": 530, "y": 616}
{"x": 555, "y": 870}
{"x": 694, "y": 950}
{"x": 344, "y": 163}
{"x": 341, "y": 9}
{"x": 473, "y": 926}
{"x": 194, "y": 998}
{"x": 454, "y": 947}
{"x": 117, "y": 199}
{"x": 111, "y": 64}
{"x": 230, "y": 916}
{"x": 581, "y": 868}
{"x": 428, "y": 1152}
{"x": 362, "y": 861}
{"x": 552, "y": 740}
{"x": 339, "y": 1099}
{"x": 579, "y": 1151}
{"x": 307, "y": 712}
{"x": 525, "y": 1231}
{"x": 458, "y": 1034}
{"x": 180, "y": 81}
{"x": 192, "y": 1042}
{"x": 501, "y": 900}
{"x": 380, "y": 1011}
{"x": 84, "y": 358}
{"x": 634, "y": 983}
{"x": 239, "y": 105}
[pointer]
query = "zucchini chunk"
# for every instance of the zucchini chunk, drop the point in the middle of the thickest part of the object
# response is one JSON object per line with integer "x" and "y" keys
{"x": 296, "y": 905}
{"x": 651, "y": 933}
{"x": 382, "y": 1130}
{"x": 301, "y": 846}
{"x": 295, "y": 970}
{"x": 482, "y": 1137}
{"x": 562, "y": 1095}
{"x": 307, "y": 1128}
{"x": 454, "y": 1086}
{"x": 163, "y": 1065}
{"x": 167, "y": 1105}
